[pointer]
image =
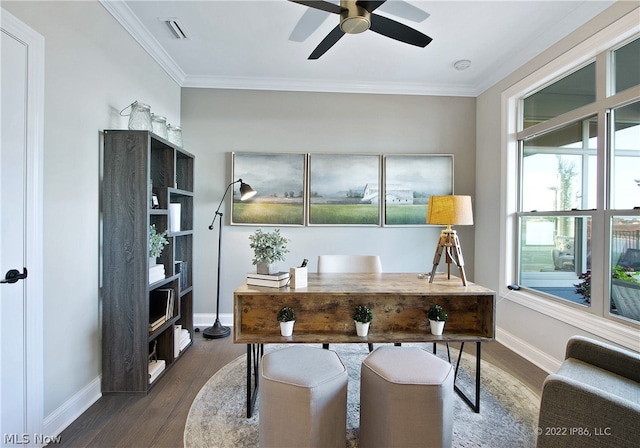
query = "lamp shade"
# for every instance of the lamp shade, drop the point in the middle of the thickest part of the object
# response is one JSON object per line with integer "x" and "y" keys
{"x": 450, "y": 210}
{"x": 246, "y": 191}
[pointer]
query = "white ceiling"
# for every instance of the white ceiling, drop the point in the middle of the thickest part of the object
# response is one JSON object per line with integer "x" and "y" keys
{"x": 245, "y": 44}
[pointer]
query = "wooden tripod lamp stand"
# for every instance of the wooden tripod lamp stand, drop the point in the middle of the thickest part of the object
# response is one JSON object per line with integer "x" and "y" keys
{"x": 449, "y": 211}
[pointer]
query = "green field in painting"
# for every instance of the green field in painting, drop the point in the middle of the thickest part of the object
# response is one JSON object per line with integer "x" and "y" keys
{"x": 405, "y": 214}
{"x": 264, "y": 213}
{"x": 344, "y": 214}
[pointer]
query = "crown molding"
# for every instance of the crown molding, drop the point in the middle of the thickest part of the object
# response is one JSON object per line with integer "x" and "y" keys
{"x": 331, "y": 86}
{"x": 125, "y": 17}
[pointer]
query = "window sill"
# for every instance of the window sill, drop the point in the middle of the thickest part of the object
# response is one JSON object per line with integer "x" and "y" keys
{"x": 616, "y": 330}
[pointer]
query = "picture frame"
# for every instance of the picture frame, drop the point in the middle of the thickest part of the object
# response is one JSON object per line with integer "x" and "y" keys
{"x": 343, "y": 189}
{"x": 409, "y": 181}
{"x": 279, "y": 180}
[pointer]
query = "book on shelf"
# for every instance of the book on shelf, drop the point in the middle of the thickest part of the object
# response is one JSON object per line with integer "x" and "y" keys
{"x": 182, "y": 269}
{"x": 161, "y": 304}
{"x": 156, "y": 273}
{"x": 277, "y": 276}
{"x": 155, "y": 368}
{"x": 181, "y": 338}
{"x": 268, "y": 283}
{"x": 157, "y": 323}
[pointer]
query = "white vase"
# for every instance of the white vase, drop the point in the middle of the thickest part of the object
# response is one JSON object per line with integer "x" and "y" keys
{"x": 266, "y": 268}
{"x": 362, "y": 328}
{"x": 152, "y": 261}
{"x": 437, "y": 327}
{"x": 286, "y": 328}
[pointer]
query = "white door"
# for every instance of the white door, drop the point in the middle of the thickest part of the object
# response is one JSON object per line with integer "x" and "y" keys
{"x": 21, "y": 399}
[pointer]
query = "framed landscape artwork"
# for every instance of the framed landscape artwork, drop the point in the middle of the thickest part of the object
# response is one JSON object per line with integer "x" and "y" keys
{"x": 343, "y": 189}
{"x": 409, "y": 181}
{"x": 279, "y": 181}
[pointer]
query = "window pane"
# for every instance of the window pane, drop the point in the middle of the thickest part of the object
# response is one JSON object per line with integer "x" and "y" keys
{"x": 569, "y": 93}
{"x": 553, "y": 252}
{"x": 626, "y": 63}
{"x": 625, "y": 178}
{"x": 625, "y": 258}
{"x": 559, "y": 169}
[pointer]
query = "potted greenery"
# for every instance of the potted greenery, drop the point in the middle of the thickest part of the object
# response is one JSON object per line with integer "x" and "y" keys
{"x": 437, "y": 317}
{"x": 268, "y": 247}
{"x": 362, "y": 317}
{"x": 157, "y": 241}
{"x": 584, "y": 288}
{"x": 287, "y": 318}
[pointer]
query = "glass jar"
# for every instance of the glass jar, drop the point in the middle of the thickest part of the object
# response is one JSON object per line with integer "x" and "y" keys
{"x": 175, "y": 135}
{"x": 159, "y": 126}
{"x": 139, "y": 117}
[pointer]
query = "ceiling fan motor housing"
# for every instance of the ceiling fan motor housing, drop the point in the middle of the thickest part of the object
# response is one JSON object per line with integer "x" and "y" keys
{"x": 354, "y": 19}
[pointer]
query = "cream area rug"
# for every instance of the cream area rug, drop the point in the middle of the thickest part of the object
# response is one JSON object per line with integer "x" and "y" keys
{"x": 508, "y": 409}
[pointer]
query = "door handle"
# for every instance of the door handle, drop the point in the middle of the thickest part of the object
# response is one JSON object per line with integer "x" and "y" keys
{"x": 14, "y": 275}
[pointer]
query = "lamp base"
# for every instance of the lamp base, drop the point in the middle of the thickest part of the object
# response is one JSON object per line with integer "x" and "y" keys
{"x": 217, "y": 331}
{"x": 450, "y": 244}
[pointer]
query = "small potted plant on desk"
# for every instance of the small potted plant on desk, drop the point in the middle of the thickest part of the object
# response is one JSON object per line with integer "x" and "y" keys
{"x": 268, "y": 248}
{"x": 286, "y": 317}
{"x": 362, "y": 316}
{"x": 437, "y": 317}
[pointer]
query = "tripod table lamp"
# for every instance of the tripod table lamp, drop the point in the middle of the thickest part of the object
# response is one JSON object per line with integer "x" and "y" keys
{"x": 449, "y": 210}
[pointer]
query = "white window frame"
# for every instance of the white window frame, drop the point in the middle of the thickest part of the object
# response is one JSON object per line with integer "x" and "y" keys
{"x": 595, "y": 319}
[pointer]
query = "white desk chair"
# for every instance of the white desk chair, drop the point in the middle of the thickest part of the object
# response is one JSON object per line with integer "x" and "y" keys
{"x": 349, "y": 264}
{"x": 352, "y": 264}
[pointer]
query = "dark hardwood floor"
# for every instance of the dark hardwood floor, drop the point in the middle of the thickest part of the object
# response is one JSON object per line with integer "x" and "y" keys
{"x": 158, "y": 418}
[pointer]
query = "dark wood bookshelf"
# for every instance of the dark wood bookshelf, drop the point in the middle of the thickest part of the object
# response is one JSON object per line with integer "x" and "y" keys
{"x": 136, "y": 165}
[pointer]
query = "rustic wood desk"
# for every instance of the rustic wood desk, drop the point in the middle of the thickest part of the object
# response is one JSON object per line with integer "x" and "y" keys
{"x": 399, "y": 302}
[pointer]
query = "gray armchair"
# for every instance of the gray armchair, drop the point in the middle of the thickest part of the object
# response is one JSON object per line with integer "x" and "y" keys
{"x": 593, "y": 400}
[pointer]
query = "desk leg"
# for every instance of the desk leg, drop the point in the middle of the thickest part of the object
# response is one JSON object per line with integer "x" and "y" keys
{"x": 474, "y": 406}
{"x": 254, "y": 356}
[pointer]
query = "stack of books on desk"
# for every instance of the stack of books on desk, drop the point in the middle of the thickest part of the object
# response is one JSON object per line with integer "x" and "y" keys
{"x": 277, "y": 280}
{"x": 156, "y": 273}
{"x": 155, "y": 368}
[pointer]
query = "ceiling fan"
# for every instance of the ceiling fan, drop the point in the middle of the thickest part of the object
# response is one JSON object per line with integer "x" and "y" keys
{"x": 357, "y": 17}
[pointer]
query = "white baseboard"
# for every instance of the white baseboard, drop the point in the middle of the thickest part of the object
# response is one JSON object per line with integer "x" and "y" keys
{"x": 527, "y": 351}
{"x": 205, "y": 320}
{"x": 58, "y": 420}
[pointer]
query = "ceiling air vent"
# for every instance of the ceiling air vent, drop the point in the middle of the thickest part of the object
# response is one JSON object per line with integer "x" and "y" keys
{"x": 177, "y": 29}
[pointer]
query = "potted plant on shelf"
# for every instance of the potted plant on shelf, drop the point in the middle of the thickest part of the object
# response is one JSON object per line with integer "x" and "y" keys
{"x": 157, "y": 241}
{"x": 268, "y": 247}
{"x": 286, "y": 317}
{"x": 362, "y": 317}
{"x": 437, "y": 317}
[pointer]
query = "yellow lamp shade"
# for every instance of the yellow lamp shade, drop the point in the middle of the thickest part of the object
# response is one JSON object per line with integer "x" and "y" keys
{"x": 450, "y": 210}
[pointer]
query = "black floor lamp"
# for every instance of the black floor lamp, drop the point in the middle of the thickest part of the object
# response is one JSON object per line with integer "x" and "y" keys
{"x": 217, "y": 331}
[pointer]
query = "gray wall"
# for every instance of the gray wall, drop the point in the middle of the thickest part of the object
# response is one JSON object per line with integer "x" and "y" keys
{"x": 93, "y": 69}
{"x": 217, "y": 122}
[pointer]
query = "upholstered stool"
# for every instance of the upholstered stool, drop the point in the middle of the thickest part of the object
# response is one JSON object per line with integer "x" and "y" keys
{"x": 406, "y": 399}
{"x": 303, "y": 399}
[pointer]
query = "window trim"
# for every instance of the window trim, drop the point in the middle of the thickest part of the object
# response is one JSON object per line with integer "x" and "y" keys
{"x": 595, "y": 320}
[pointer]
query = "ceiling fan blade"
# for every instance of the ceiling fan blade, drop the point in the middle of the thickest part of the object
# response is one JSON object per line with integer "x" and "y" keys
{"x": 370, "y": 5}
{"x": 405, "y": 10}
{"x": 398, "y": 31}
{"x": 328, "y": 42}
{"x": 308, "y": 24}
{"x": 319, "y": 4}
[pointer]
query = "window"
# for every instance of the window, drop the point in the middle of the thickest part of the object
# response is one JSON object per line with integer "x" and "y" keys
{"x": 578, "y": 183}
{"x": 568, "y": 93}
{"x": 626, "y": 67}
